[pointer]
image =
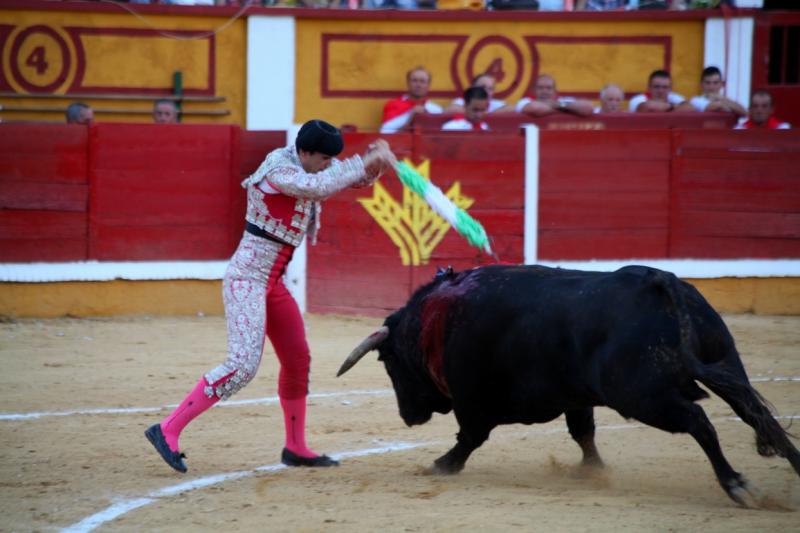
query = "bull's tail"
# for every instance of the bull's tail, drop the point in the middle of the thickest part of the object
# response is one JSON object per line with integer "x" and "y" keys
{"x": 730, "y": 384}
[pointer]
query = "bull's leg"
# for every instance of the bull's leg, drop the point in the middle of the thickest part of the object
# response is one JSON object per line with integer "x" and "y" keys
{"x": 771, "y": 438}
{"x": 473, "y": 431}
{"x": 687, "y": 417}
{"x": 581, "y": 426}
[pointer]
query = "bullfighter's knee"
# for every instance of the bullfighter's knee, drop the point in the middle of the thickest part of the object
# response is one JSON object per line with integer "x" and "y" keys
{"x": 227, "y": 379}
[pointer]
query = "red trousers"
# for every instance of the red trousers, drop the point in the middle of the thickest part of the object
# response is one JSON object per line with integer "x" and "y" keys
{"x": 258, "y": 305}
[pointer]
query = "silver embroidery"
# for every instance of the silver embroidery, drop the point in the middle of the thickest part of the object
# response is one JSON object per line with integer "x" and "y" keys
{"x": 283, "y": 171}
{"x": 244, "y": 295}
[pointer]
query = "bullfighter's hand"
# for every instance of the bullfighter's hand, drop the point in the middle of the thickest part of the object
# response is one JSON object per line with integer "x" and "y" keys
{"x": 378, "y": 159}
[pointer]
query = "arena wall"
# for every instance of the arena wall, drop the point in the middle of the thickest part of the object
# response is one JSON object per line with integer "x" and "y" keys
{"x": 247, "y": 66}
{"x": 118, "y": 59}
{"x": 144, "y": 193}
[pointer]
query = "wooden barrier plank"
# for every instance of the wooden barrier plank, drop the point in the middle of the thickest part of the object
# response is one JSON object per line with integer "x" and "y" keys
{"x": 512, "y": 122}
{"x": 734, "y": 194}
{"x": 19, "y": 194}
{"x": 368, "y": 291}
{"x": 470, "y": 146}
{"x": 357, "y": 143}
{"x": 41, "y": 249}
{"x": 255, "y": 146}
{"x": 153, "y": 243}
{"x": 491, "y": 184}
{"x": 622, "y": 146}
{"x": 30, "y": 224}
{"x": 28, "y": 235}
{"x": 742, "y": 224}
{"x": 741, "y": 140}
{"x": 575, "y": 210}
{"x": 44, "y": 153}
{"x": 726, "y": 198}
{"x": 161, "y": 191}
{"x": 604, "y": 177}
{"x": 756, "y": 172}
{"x": 716, "y": 247}
{"x": 602, "y": 244}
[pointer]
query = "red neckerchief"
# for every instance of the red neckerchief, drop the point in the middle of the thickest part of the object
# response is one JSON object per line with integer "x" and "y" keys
{"x": 771, "y": 124}
{"x": 475, "y": 125}
{"x": 398, "y": 106}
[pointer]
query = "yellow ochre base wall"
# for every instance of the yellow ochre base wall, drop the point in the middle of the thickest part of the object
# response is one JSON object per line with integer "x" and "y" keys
{"x": 763, "y": 296}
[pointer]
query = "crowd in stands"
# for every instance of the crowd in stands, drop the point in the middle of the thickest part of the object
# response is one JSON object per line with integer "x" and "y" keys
{"x": 478, "y": 100}
{"x": 468, "y": 111}
{"x": 534, "y": 5}
{"x": 165, "y": 111}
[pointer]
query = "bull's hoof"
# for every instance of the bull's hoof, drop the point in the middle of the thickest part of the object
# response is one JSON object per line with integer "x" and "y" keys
{"x": 443, "y": 467}
{"x": 593, "y": 462}
{"x": 745, "y": 493}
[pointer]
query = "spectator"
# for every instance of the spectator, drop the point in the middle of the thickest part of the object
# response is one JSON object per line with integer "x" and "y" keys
{"x": 165, "y": 112}
{"x": 600, "y": 5}
{"x": 546, "y": 100}
{"x": 551, "y": 5}
{"x": 476, "y": 106}
{"x": 79, "y": 113}
{"x": 712, "y": 98}
{"x": 487, "y": 81}
{"x": 391, "y": 4}
{"x": 611, "y": 98}
{"x": 659, "y": 96}
{"x": 761, "y": 114}
{"x": 397, "y": 113}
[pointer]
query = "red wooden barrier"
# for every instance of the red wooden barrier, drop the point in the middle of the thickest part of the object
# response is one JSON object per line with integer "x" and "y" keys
{"x": 157, "y": 192}
{"x": 160, "y": 192}
{"x": 355, "y": 267}
{"x": 511, "y": 122}
{"x": 253, "y": 148}
{"x": 604, "y": 196}
{"x": 172, "y": 192}
{"x": 43, "y": 192}
{"x": 735, "y": 194}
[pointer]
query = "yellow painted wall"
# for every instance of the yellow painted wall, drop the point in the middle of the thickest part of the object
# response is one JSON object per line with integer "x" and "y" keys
{"x": 117, "y": 60}
{"x": 380, "y": 64}
{"x": 763, "y": 296}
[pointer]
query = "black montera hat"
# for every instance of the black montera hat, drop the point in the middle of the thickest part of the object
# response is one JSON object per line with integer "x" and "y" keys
{"x": 319, "y": 136}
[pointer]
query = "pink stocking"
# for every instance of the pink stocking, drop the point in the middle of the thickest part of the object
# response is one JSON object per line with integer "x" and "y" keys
{"x": 294, "y": 418}
{"x": 193, "y": 405}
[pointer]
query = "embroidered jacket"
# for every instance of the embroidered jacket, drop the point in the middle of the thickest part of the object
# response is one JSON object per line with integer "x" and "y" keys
{"x": 284, "y": 200}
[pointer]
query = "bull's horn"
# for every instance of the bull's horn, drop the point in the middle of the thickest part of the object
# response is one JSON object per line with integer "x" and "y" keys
{"x": 368, "y": 344}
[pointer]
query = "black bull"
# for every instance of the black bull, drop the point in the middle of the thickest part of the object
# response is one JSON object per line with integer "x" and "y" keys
{"x": 524, "y": 344}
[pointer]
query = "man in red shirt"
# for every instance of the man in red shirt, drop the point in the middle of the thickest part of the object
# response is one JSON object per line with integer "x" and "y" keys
{"x": 398, "y": 113}
{"x": 761, "y": 114}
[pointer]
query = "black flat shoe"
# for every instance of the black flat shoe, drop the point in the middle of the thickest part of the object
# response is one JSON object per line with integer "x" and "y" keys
{"x": 156, "y": 438}
{"x": 290, "y": 458}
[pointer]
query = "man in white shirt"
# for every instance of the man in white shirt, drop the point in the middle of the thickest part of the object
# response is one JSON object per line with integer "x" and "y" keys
{"x": 488, "y": 82}
{"x": 611, "y": 98}
{"x": 546, "y": 100}
{"x": 476, "y": 106}
{"x": 659, "y": 97}
{"x": 712, "y": 98}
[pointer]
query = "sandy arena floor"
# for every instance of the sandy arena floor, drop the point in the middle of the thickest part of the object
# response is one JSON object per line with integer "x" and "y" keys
{"x": 76, "y": 395}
